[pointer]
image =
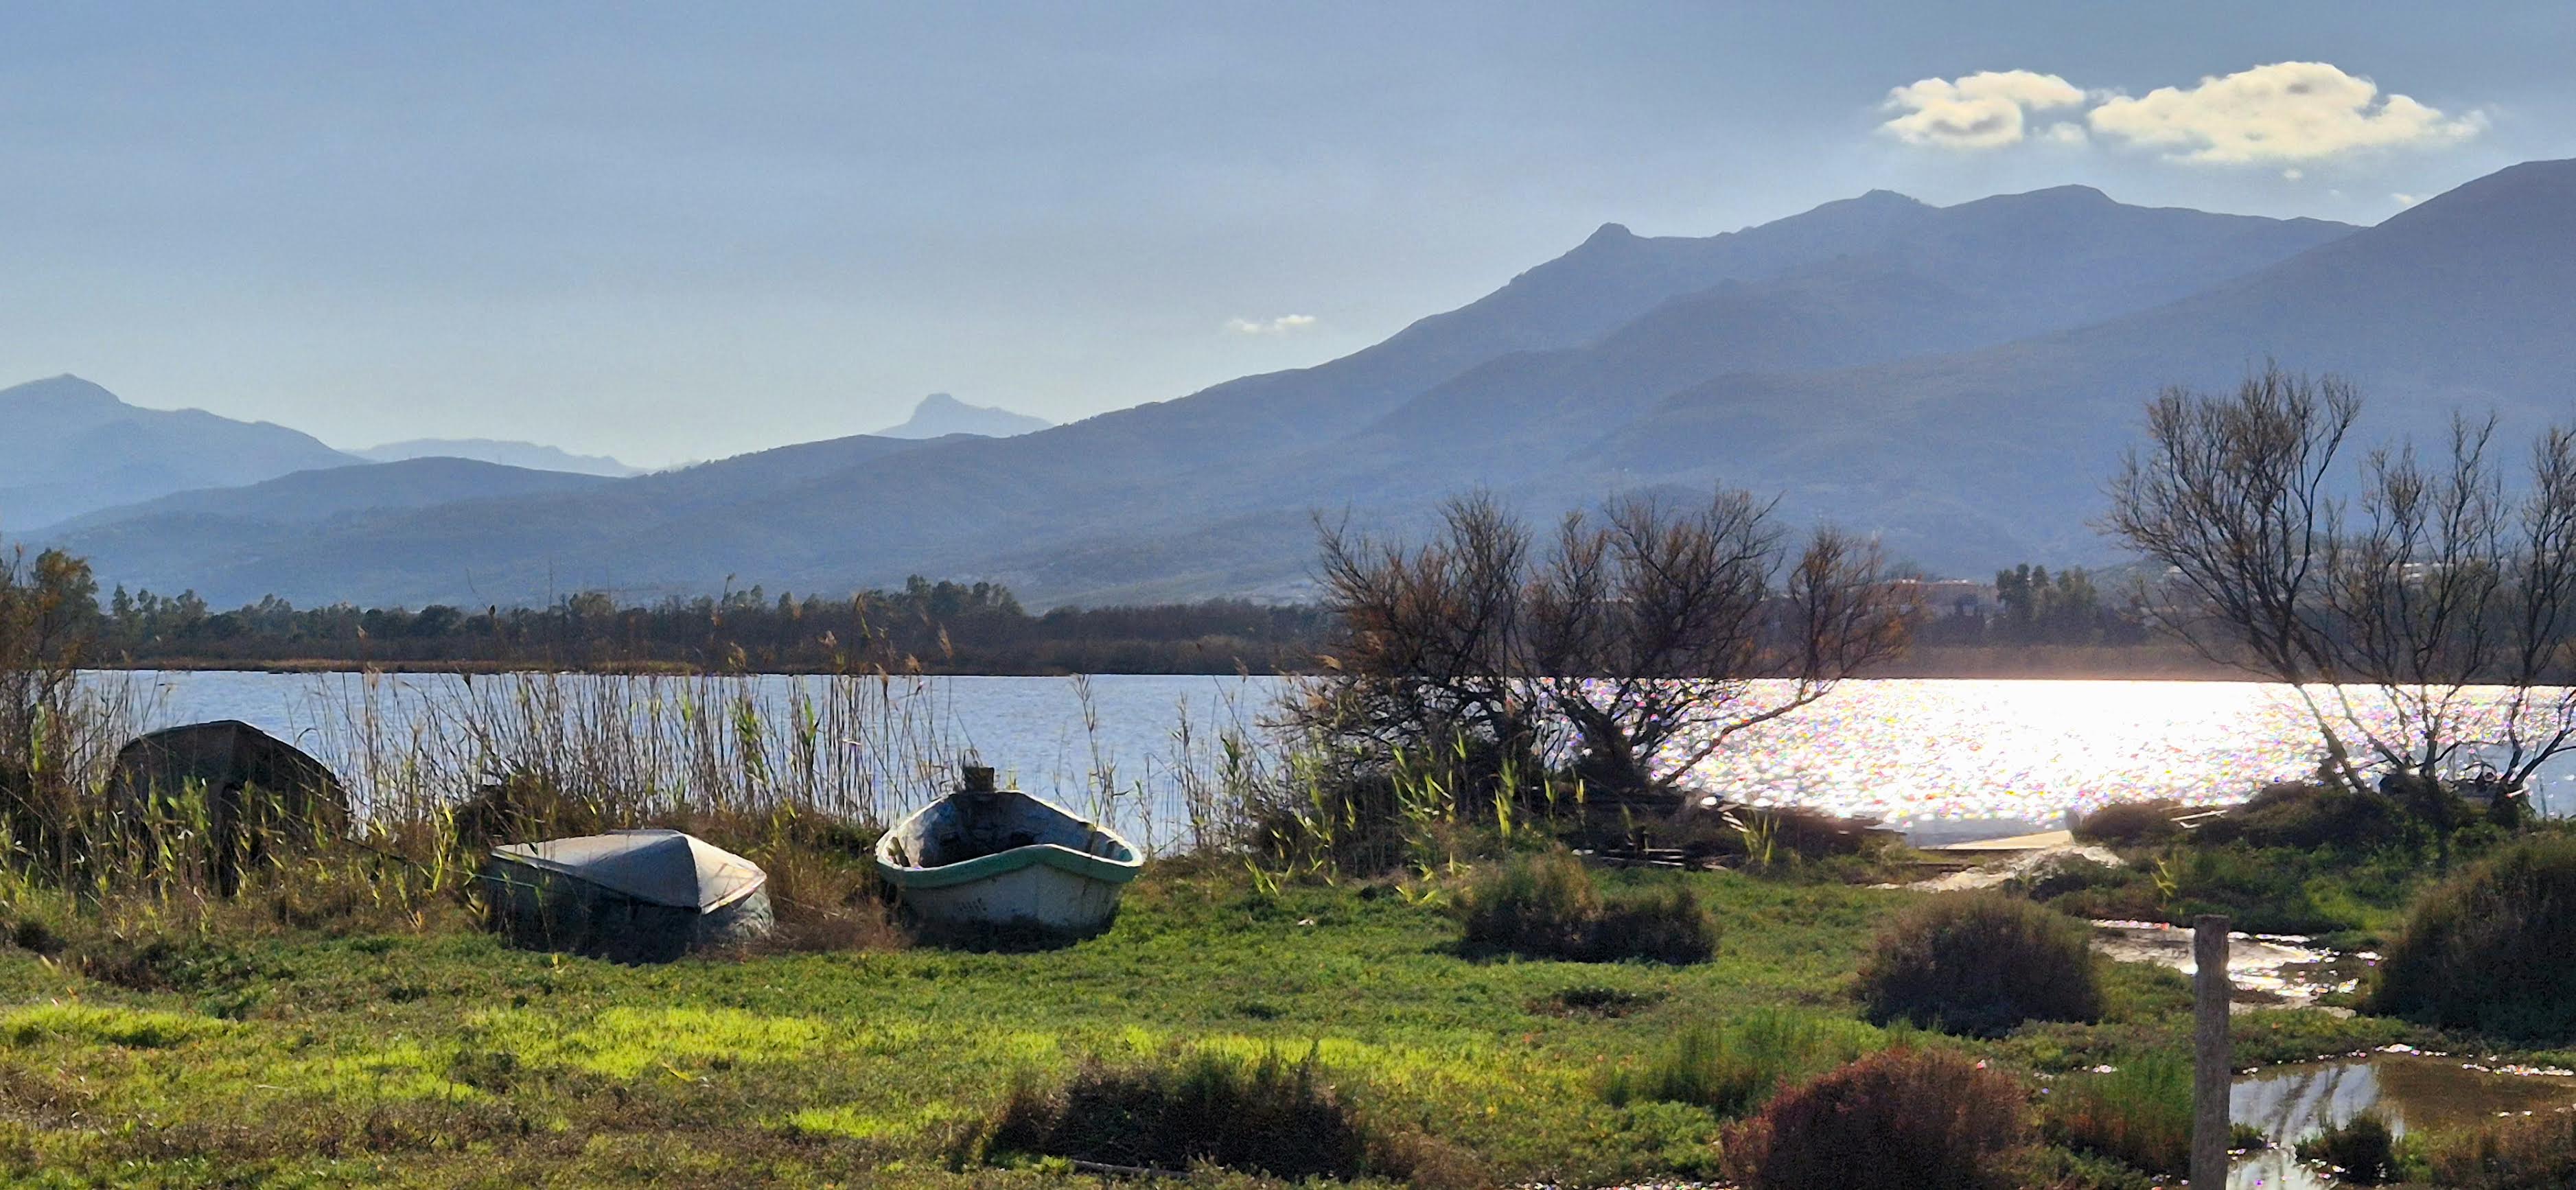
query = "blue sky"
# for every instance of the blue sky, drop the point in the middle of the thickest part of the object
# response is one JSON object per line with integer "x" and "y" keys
{"x": 684, "y": 231}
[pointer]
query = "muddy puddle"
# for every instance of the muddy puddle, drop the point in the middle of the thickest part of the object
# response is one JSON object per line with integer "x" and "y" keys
{"x": 2414, "y": 1092}
{"x": 2268, "y": 970}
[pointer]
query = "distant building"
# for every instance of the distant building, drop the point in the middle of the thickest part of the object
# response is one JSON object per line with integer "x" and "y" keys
{"x": 1949, "y": 596}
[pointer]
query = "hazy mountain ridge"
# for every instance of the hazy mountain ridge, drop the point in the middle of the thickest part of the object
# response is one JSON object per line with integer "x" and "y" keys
{"x": 939, "y": 415}
{"x": 72, "y": 447}
{"x": 794, "y": 517}
{"x": 532, "y": 456}
{"x": 1959, "y": 379}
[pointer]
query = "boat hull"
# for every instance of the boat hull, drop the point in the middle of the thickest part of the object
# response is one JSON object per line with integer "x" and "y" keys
{"x": 953, "y": 865}
{"x": 1039, "y": 895}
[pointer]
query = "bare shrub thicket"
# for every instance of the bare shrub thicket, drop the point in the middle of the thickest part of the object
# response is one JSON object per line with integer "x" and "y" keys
{"x": 57, "y": 733}
{"x": 1610, "y": 662}
{"x": 2388, "y": 595}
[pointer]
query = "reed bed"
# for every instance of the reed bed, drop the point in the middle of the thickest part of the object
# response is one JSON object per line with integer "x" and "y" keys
{"x": 799, "y": 774}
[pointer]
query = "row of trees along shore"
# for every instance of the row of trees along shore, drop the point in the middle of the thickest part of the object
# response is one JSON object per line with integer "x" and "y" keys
{"x": 940, "y": 627}
{"x": 937, "y": 627}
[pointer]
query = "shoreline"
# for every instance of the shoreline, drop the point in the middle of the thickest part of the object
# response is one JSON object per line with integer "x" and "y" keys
{"x": 2154, "y": 663}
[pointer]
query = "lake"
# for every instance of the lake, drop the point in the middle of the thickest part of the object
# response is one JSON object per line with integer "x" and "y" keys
{"x": 1943, "y": 758}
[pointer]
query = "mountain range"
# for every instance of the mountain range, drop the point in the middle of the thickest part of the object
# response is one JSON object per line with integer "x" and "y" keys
{"x": 68, "y": 447}
{"x": 526, "y": 455}
{"x": 939, "y": 415}
{"x": 1957, "y": 380}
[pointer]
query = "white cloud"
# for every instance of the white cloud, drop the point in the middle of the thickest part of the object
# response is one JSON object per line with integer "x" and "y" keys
{"x": 1284, "y": 324}
{"x": 1979, "y": 111}
{"x": 2406, "y": 200}
{"x": 2287, "y": 111}
{"x": 2065, "y": 132}
{"x": 2292, "y": 175}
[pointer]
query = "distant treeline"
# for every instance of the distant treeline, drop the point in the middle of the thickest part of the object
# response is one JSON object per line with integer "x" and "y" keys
{"x": 937, "y": 627}
{"x": 934, "y": 627}
{"x": 2029, "y": 606}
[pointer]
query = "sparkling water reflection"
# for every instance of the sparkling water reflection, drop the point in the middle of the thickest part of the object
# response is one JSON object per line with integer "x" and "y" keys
{"x": 1909, "y": 751}
{"x": 2030, "y": 750}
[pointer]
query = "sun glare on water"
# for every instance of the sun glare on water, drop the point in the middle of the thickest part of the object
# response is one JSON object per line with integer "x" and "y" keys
{"x": 1911, "y": 750}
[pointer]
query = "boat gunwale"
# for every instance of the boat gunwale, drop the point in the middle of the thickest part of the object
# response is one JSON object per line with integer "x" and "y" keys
{"x": 1074, "y": 861}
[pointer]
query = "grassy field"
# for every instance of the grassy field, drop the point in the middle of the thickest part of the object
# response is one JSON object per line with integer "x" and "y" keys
{"x": 440, "y": 1058}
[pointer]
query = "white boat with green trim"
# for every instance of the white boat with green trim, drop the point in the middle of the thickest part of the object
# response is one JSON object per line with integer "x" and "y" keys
{"x": 987, "y": 856}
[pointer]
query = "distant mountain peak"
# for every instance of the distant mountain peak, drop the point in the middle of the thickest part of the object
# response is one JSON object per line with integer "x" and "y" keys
{"x": 60, "y": 392}
{"x": 939, "y": 415}
{"x": 2069, "y": 193}
{"x": 528, "y": 456}
{"x": 1610, "y": 233}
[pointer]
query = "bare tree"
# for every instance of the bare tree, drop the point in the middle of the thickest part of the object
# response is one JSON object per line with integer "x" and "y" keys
{"x": 1647, "y": 629}
{"x": 1425, "y": 654}
{"x": 2426, "y": 619}
{"x": 1629, "y": 652}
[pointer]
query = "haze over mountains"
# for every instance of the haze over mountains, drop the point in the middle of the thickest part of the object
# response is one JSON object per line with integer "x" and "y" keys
{"x": 1959, "y": 380}
{"x": 68, "y": 446}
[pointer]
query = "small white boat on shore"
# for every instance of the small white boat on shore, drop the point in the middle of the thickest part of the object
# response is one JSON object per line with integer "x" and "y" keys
{"x": 998, "y": 857}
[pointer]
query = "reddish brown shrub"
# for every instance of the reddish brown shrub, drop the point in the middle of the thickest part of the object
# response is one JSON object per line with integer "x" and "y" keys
{"x": 1920, "y": 1118}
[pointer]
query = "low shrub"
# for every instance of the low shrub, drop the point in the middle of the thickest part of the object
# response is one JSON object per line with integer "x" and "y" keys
{"x": 2488, "y": 950}
{"x": 1546, "y": 906}
{"x": 2138, "y": 1114}
{"x": 1531, "y": 904}
{"x": 1733, "y": 1068}
{"x": 1921, "y": 1118}
{"x": 2363, "y": 1151}
{"x": 2060, "y": 875}
{"x": 1979, "y": 964}
{"x": 2130, "y": 824}
{"x": 2527, "y": 1153}
{"x": 1665, "y": 925}
{"x": 1269, "y": 1116}
{"x": 2305, "y": 814}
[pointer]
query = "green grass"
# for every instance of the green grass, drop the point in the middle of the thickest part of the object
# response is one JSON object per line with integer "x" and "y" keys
{"x": 441, "y": 1058}
{"x": 447, "y": 1059}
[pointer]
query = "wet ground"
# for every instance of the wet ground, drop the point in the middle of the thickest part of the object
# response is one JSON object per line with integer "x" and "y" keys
{"x": 2268, "y": 970}
{"x": 2414, "y": 1092}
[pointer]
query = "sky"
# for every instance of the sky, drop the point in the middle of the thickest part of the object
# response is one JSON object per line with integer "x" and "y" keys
{"x": 684, "y": 231}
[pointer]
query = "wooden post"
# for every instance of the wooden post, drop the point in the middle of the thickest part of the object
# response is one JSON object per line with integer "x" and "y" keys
{"x": 2213, "y": 1071}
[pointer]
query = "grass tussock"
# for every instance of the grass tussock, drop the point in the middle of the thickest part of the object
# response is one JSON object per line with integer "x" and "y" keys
{"x": 2529, "y": 1153}
{"x": 2488, "y": 950}
{"x": 2362, "y": 1151}
{"x": 1979, "y": 964}
{"x": 1923, "y": 1118}
{"x": 1735, "y": 1067}
{"x": 1270, "y": 1115}
{"x": 1546, "y": 906}
{"x": 2138, "y": 1114}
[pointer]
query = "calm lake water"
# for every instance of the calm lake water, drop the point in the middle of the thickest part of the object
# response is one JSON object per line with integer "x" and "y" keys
{"x": 1939, "y": 757}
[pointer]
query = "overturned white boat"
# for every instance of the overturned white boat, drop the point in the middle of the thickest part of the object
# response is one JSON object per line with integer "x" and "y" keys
{"x": 998, "y": 857}
{"x": 635, "y": 896}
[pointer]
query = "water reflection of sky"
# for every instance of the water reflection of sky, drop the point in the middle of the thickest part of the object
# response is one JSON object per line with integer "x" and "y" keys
{"x": 1904, "y": 750}
{"x": 2022, "y": 749}
{"x": 2412, "y": 1092}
